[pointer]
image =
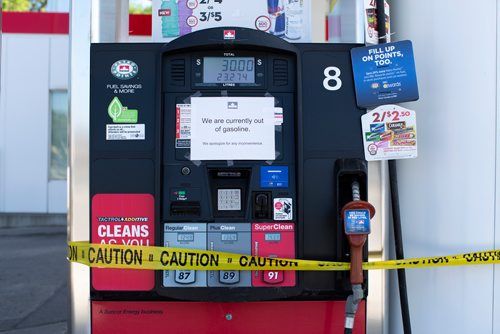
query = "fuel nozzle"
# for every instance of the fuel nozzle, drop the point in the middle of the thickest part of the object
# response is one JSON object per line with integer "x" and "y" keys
{"x": 356, "y": 215}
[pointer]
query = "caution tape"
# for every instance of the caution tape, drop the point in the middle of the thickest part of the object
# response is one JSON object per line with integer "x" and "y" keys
{"x": 167, "y": 258}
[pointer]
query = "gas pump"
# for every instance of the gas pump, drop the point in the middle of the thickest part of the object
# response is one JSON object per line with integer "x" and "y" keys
{"x": 233, "y": 140}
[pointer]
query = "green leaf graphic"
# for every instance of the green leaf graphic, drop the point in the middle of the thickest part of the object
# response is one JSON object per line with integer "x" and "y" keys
{"x": 115, "y": 109}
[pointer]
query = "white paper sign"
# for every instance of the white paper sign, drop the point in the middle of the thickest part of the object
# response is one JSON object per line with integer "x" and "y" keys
{"x": 232, "y": 128}
{"x": 389, "y": 132}
{"x": 125, "y": 132}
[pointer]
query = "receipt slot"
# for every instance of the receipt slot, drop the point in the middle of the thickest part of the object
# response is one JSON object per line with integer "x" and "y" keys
{"x": 233, "y": 142}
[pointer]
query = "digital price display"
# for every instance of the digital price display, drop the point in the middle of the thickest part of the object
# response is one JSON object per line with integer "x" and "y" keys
{"x": 229, "y": 236}
{"x": 228, "y": 70}
{"x": 185, "y": 237}
{"x": 272, "y": 237}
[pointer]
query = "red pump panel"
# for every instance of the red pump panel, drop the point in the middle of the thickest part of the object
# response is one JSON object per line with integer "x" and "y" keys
{"x": 123, "y": 219}
{"x": 221, "y": 318}
{"x": 275, "y": 240}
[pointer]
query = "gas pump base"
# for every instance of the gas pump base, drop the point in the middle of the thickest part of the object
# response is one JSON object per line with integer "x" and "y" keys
{"x": 231, "y": 318}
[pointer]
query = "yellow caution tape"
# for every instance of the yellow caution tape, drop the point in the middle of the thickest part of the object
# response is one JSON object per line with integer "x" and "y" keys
{"x": 167, "y": 258}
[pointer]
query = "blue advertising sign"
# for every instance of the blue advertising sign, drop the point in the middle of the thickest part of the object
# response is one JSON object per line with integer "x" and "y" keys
{"x": 357, "y": 221}
{"x": 384, "y": 74}
{"x": 274, "y": 177}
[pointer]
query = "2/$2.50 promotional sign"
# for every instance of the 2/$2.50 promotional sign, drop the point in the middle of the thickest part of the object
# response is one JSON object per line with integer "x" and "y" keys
{"x": 289, "y": 19}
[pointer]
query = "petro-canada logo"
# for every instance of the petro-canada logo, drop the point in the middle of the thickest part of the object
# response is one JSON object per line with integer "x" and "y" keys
{"x": 229, "y": 34}
{"x": 124, "y": 69}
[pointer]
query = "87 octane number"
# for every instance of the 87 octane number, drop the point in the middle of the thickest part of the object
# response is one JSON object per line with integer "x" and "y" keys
{"x": 332, "y": 81}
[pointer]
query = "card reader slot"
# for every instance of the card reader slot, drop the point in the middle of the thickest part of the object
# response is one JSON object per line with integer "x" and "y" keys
{"x": 185, "y": 208}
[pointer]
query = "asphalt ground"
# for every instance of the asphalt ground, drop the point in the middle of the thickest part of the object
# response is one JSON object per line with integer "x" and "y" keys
{"x": 33, "y": 280}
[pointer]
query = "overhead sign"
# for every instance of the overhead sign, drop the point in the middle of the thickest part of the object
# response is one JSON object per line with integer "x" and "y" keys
{"x": 232, "y": 128}
{"x": 389, "y": 132}
{"x": 290, "y": 19}
{"x": 384, "y": 74}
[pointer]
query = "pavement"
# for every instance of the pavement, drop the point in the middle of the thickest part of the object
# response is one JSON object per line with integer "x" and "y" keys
{"x": 33, "y": 280}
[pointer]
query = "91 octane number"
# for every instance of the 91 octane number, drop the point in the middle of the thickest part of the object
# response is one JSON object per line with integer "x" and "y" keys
{"x": 393, "y": 116}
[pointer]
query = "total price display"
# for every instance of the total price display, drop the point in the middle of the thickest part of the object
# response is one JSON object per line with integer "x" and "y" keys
{"x": 228, "y": 70}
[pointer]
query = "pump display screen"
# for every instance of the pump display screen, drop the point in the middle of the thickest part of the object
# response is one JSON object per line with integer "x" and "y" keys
{"x": 229, "y": 237}
{"x": 272, "y": 237}
{"x": 185, "y": 237}
{"x": 228, "y": 70}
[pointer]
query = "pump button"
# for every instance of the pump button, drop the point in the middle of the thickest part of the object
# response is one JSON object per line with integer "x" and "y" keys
{"x": 262, "y": 205}
{"x": 229, "y": 276}
{"x": 185, "y": 276}
{"x": 273, "y": 276}
{"x": 185, "y": 170}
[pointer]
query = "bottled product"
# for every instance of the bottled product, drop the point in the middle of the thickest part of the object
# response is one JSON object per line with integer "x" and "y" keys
{"x": 276, "y": 11}
{"x": 169, "y": 12}
{"x": 294, "y": 27}
{"x": 184, "y": 13}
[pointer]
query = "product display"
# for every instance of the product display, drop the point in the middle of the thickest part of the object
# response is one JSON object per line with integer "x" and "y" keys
{"x": 288, "y": 19}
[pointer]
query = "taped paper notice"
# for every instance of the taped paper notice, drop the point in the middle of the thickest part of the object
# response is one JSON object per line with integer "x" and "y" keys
{"x": 232, "y": 128}
{"x": 125, "y": 132}
{"x": 182, "y": 126}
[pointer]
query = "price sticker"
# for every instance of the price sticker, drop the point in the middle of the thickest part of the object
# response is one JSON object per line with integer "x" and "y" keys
{"x": 357, "y": 222}
{"x": 389, "y": 132}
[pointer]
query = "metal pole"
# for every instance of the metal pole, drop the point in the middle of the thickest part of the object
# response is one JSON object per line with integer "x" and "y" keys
{"x": 90, "y": 21}
{"x": 396, "y": 215}
{"x": 78, "y": 206}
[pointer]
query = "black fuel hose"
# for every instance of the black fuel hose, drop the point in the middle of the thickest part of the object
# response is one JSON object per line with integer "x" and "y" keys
{"x": 396, "y": 216}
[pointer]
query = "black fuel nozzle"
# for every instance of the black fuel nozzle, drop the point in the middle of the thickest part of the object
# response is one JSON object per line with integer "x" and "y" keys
{"x": 356, "y": 215}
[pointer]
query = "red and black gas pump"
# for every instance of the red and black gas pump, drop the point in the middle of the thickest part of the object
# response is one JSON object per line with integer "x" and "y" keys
{"x": 232, "y": 140}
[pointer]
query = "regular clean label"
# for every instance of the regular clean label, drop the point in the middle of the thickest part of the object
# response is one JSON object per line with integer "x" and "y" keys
{"x": 389, "y": 132}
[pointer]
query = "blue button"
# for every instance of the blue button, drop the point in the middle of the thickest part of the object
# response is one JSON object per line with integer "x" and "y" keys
{"x": 274, "y": 176}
